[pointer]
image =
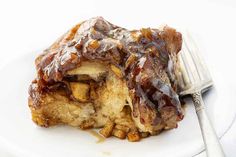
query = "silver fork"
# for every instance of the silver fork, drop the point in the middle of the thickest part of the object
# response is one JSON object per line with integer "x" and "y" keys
{"x": 195, "y": 80}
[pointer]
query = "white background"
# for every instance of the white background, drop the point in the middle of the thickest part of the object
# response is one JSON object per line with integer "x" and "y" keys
{"x": 28, "y": 26}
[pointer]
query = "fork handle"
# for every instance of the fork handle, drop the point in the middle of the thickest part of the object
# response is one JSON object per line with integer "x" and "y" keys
{"x": 212, "y": 144}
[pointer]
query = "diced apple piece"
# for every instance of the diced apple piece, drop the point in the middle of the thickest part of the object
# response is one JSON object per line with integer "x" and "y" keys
{"x": 133, "y": 136}
{"x": 116, "y": 70}
{"x": 94, "y": 70}
{"x": 122, "y": 127}
{"x": 94, "y": 44}
{"x": 119, "y": 133}
{"x": 107, "y": 129}
{"x": 80, "y": 91}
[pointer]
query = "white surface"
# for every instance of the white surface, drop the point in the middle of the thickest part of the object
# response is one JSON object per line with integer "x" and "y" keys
{"x": 27, "y": 26}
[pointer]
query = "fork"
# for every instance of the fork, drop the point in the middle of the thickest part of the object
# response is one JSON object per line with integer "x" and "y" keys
{"x": 195, "y": 80}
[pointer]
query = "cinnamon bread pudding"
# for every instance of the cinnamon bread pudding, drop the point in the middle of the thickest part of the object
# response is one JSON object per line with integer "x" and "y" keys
{"x": 99, "y": 75}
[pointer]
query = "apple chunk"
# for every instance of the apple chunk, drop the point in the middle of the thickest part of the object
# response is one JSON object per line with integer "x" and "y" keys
{"x": 80, "y": 91}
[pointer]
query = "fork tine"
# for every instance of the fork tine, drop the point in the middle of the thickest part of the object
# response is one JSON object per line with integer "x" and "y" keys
{"x": 197, "y": 59}
{"x": 195, "y": 75}
{"x": 191, "y": 62}
{"x": 185, "y": 81}
{"x": 186, "y": 66}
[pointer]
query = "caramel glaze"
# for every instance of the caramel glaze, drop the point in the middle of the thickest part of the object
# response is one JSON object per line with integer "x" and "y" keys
{"x": 146, "y": 57}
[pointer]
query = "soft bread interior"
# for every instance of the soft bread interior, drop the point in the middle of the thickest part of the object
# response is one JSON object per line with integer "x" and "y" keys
{"x": 103, "y": 103}
{"x": 106, "y": 103}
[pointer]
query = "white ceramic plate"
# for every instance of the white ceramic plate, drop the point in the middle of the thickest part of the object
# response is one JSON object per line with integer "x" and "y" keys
{"x": 21, "y": 137}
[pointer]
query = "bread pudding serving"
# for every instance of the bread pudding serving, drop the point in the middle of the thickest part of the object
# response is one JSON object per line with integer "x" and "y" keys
{"x": 99, "y": 75}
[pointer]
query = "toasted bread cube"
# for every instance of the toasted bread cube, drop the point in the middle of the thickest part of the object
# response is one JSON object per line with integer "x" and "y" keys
{"x": 80, "y": 91}
{"x": 133, "y": 136}
{"x": 119, "y": 133}
{"x": 106, "y": 131}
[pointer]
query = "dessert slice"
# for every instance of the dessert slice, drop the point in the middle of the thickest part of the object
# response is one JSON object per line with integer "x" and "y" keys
{"x": 99, "y": 75}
